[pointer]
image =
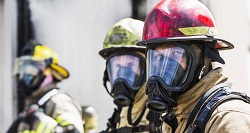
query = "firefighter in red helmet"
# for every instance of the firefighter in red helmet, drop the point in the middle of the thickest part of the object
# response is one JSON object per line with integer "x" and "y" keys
{"x": 181, "y": 42}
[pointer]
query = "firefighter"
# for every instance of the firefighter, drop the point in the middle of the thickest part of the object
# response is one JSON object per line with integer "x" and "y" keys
{"x": 48, "y": 109}
{"x": 125, "y": 70}
{"x": 181, "y": 42}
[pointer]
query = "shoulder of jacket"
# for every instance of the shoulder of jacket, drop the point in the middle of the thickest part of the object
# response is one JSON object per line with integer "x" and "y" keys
{"x": 233, "y": 105}
{"x": 64, "y": 98}
{"x": 229, "y": 116}
{"x": 61, "y": 95}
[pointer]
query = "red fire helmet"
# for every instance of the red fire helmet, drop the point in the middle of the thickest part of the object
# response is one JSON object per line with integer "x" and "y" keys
{"x": 181, "y": 20}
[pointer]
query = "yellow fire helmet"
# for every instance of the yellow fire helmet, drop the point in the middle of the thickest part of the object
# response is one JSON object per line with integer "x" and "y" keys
{"x": 40, "y": 52}
{"x": 124, "y": 34}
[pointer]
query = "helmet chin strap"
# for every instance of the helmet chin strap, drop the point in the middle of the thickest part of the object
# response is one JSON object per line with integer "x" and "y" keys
{"x": 105, "y": 80}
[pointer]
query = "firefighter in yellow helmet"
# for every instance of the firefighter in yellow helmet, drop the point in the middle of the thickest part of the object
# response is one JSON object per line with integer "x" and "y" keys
{"x": 125, "y": 70}
{"x": 48, "y": 109}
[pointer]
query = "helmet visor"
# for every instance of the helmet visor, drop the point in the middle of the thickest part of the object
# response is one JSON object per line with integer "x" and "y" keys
{"x": 130, "y": 68}
{"x": 170, "y": 63}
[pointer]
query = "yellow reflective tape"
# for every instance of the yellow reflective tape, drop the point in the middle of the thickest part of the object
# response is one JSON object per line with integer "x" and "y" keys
{"x": 50, "y": 125}
{"x": 59, "y": 119}
{"x": 40, "y": 127}
{"x": 44, "y": 127}
{"x": 65, "y": 123}
{"x": 26, "y": 131}
{"x": 62, "y": 122}
{"x": 191, "y": 31}
{"x": 48, "y": 129}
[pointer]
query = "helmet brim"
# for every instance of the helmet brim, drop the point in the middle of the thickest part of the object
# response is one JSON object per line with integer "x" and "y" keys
{"x": 61, "y": 72}
{"x": 105, "y": 53}
{"x": 220, "y": 45}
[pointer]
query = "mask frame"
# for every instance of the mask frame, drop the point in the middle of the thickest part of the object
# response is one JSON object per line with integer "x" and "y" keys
{"x": 142, "y": 62}
{"x": 163, "y": 97}
{"x": 32, "y": 63}
{"x": 123, "y": 92}
{"x": 191, "y": 68}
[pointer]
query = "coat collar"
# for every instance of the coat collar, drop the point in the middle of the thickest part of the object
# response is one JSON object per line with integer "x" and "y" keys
{"x": 139, "y": 103}
{"x": 188, "y": 100}
{"x": 35, "y": 96}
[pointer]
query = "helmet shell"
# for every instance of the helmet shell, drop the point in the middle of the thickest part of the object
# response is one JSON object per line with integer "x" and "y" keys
{"x": 124, "y": 34}
{"x": 181, "y": 20}
{"x": 40, "y": 52}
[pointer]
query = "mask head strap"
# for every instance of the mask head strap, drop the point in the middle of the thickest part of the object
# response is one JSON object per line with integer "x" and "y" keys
{"x": 105, "y": 80}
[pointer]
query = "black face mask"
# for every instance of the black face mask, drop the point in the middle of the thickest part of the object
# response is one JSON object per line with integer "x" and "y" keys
{"x": 160, "y": 98}
{"x": 30, "y": 73}
{"x": 126, "y": 73}
{"x": 30, "y": 83}
{"x": 170, "y": 71}
{"x": 122, "y": 93}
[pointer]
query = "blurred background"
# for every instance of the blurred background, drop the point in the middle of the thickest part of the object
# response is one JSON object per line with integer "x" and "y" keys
{"x": 76, "y": 29}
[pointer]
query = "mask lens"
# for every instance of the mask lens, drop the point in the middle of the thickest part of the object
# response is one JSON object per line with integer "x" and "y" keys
{"x": 27, "y": 69}
{"x": 130, "y": 68}
{"x": 170, "y": 62}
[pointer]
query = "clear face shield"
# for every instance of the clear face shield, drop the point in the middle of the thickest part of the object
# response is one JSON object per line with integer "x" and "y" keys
{"x": 126, "y": 74}
{"x": 29, "y": 71}
{"x": 168, "y": 70}
{"x": 126, "y": 67}
{"x": 170, "y": 63}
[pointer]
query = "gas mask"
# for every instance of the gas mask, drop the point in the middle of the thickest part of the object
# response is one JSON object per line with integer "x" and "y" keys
{"x": 30, "y": 73}
{"x": 171, "y": 69}
{"x": 126, "y": 73}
